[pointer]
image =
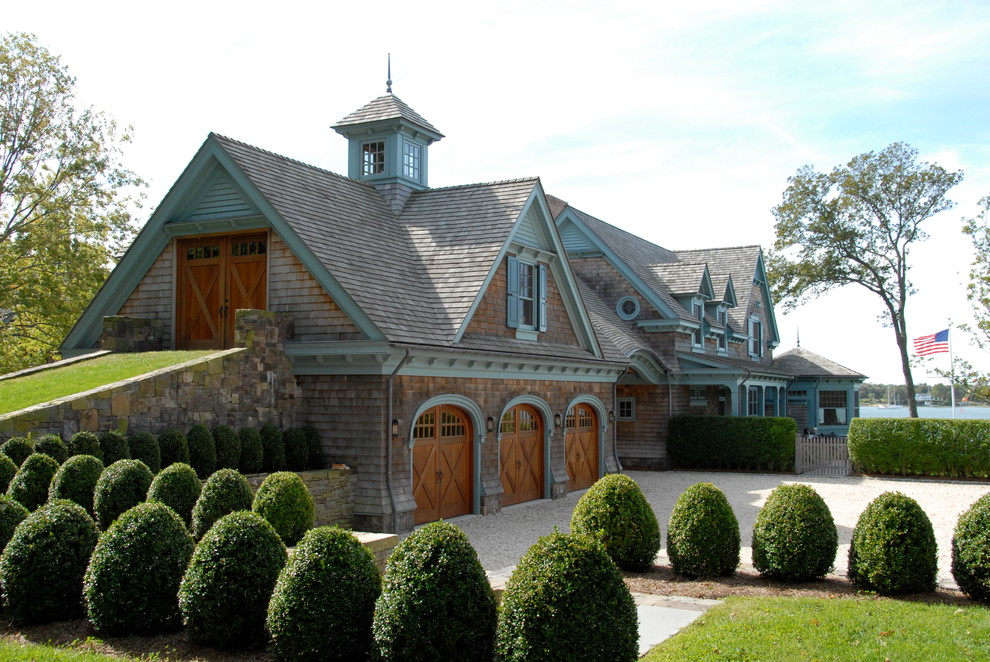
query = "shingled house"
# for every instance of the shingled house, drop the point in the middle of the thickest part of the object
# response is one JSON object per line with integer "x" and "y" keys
{"x": 463, "y": 348}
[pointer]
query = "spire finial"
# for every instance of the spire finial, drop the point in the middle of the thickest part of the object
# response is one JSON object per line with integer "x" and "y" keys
{"x": 799, "y": 336}
{"x": 388, "y": 83}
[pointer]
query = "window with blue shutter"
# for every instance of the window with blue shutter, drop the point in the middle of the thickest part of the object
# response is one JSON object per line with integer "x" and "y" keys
{"x": 526, "y": 300}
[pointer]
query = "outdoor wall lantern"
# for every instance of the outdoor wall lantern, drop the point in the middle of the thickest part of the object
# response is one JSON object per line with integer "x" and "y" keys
{"x": 490, "y": 424}
{"x": 611, "y": 416}
{"x": 395, "y": 427}
{"x": 557, "y": 420}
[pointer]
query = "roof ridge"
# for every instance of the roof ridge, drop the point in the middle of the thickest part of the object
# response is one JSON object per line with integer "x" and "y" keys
{"x": 717, "y": 248}
{"x": 516, "y": 180}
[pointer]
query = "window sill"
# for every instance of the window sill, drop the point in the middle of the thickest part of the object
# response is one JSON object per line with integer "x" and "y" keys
{"x": 697, "y": 350}
{"x": 527, "y": 334}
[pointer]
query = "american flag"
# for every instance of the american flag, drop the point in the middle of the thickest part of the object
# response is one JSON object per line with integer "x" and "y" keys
{"x": 933, "y": 344}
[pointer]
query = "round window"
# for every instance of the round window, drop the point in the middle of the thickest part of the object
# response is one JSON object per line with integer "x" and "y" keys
{"x": 627, "y": 308}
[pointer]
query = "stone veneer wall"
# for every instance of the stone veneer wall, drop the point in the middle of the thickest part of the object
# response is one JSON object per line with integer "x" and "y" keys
{"x": 332, "y": 490}
{"x": 242, "y": 387}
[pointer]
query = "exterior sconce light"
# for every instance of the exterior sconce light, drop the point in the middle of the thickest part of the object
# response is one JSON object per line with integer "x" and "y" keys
{"x": 395, "y": 427}
{"x": 557, "y": 421}
{"x": 611, "y": 417}
{"x": 490, "y": 424}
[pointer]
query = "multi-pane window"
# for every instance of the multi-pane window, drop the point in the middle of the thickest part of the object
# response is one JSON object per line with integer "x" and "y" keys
{"x": 451, "y": 425}
{"x": 722, "y": 315}
{"x": 698, "y": 313}
{"x": 373, "y": 158}
{"x": 426, "y": 427}
{"x": 832, "y": 408}
{"x": 754, "y": 401}
{"x": 242, "y": 248}
{"x": 627, "y": 409}
{"x": 755, "y": 337}
{"x": 203, "y": 252}
{"x": 699, "y": 396}
{"x": 410, "y": 160}
{"x": 527, "y": 304}
{"x": 527, "y": 295}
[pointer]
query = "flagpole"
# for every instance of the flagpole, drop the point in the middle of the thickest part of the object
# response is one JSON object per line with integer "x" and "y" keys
{"x": 952, "y": 374}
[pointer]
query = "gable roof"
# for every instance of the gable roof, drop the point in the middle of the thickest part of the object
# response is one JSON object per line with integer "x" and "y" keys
{"x": 804, "y": 363}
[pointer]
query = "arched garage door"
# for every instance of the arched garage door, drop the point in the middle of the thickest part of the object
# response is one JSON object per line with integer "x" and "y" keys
{"x": 581, "y": 441}
{"x": 441, "y": 464}
{"x": 521, "y": 455}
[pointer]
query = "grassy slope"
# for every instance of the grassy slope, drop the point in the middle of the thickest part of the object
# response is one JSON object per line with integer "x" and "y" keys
{"x": 838, "y": 629}
{"x": 10, "y": 652}
{"x": 48, "y": 385}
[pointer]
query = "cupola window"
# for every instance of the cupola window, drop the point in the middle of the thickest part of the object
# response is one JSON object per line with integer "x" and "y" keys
{"x": 410, "y": 160}
{"x": 373, "y": 158}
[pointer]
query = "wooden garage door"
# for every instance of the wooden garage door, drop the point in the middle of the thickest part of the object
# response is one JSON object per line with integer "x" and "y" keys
{"x": 441, "y": 464}
{"x": 581, "y": 441}
{"x": 521, "y": 455}
{"x": 218, "y": 275}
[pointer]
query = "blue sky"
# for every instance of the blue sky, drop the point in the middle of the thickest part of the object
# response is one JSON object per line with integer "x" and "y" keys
{"x": 681, "y": 124}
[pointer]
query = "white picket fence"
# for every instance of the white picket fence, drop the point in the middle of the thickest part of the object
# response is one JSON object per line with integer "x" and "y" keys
{"x": 821, "y": 454}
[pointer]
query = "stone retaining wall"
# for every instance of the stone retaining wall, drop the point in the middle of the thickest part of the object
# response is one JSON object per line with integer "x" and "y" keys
{"x": 332, "y": 491}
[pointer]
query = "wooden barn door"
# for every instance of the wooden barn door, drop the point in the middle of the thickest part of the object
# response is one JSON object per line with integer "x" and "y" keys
{"x": 521, "y": 455}
{"x": 581, "y": 441}
{"x": 216, "y": 276}
{"x": 442, "y": 480}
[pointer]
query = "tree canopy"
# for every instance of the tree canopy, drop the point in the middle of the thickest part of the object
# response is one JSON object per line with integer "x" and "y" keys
{"x": 856, "y": 225}
{"x": 65, "y": 201}
{"x": 978, "y": 293}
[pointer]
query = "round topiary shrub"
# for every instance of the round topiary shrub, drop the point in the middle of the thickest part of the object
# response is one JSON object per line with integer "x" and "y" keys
{"x": 178, "y": 487}
{"x": 893, "y": 547}
{"x": 30, "y": 484}
{"x": 85, "y": 443}
{"x": 703, "y": 533}
{"x": 173, "y": 447}
{"x": 76, "y": 480}
{"x": 228, "y": 446}
{"x": 224, "y": 594}
{"x": 121, "y": 486}
{"x": 114, "y": 447}
{"x": 324, "y": 599}
{"x": 314, "y": 448}
{"x": 42, "y": 567}
{"x": 17, "y": 449}
{"x": 202, "y": 450}
{"x": 288, "y": 506}
{"x": 7, "y": 472}
{"x": 273, "y": 448}
{"x": 132, "y": 582}
{"x": 971, "y": 550}
{"x": 794, "y": 538}
{"x": 224, "y": 492}
{"x": 52, "y": 445}
{"x": 296, "y": 452}
{"x": 615, "y": 512}
{"x": 436, "y": 602}
{"x": 252, "y": 454}
{"x": 144, "y": 447}
{"x": 566, "y": 601}
{"x": 11, "y": 514}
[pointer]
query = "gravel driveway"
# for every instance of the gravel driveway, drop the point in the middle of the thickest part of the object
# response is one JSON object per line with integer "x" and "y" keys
{"x": 501, "y": 539}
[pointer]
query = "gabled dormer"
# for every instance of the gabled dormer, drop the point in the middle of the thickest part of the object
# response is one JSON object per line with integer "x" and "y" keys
{"x": 388, "y": 144}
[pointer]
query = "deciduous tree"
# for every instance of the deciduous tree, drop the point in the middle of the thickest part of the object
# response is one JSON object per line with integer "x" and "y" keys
{"x": 65, "y": 201}
{"x": 856, "y": 225}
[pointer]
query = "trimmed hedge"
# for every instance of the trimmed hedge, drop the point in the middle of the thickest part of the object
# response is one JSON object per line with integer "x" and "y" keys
{"x": 42, "y": 566}
{"x": 178, "y": 487}
{"x": 202, "y": 450}
{"x": 288, "y": 506}
{"x": 11, "y": 514}
{"x": 144, "y": 447}
{"x": 314, "y": 448}
{"x": 122, "y": 485}
{"x": 228, "y": 446}
{"x": 174, "y": 447}
{"x": 225, "y": 592}
{"x": 224, "y": 492}
{"x": 324, "y": 600}
{"x": 296, "y": 452}
{"x": 971, "y": 550}
{"x": 273, "y": 448}
{"x": 30, "y": 484}
{"x": 76, "y": 480}
{"x": 794, "y": 537}
{"x": 132, "y": 582}
{"x": 8, "y": 469}
{"x": 566, "y": 601}
{"x": 436, "y": 602}
{"x": 114, "y": 446}
{"x": 703, "y": 533}
{"x": 52, "y": 445}
{"x": 85, "y": 443}
{"x": 252, "y": 453}
{"x": 732, "y": 442}
{"x": 615, "y": 512}
{"x": 920, "y": 447}
{"x": 17, "y": 449}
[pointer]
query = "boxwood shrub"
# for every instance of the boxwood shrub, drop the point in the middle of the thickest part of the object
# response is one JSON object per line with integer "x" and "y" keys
{"x": 174, "y": 447}
{"x": 273, "y": 448}
{"x": 436, "y": 602}
{"x": 252, "y": 454}
{"x": 296, "y": 451}
{"x": 324, "y": 599}
{"x": 114, "y": 446}
{"x": 76, "y": 480}
{"x": 314, "y": 448}
{"x": 132, "y": 582}
{"x": 85, "y": 443}
{"x": 121, "y": 486}
{"x": 7, "y": 472}
{"x": 794, "y": 537}
{"x": 732, "y": 442}
{"x": 703, "y": 533}
{"x": 30, "y": 484}
{"x": 178, "y": 487}
{"x": 17, "y": 449}
{"x": 224, "y": 492}
{"x": 202, "y": 450}
{"x": 52, "y": 445}
{"x": 920, "y": 446}
{"x": 286, "y": 503}
{"x": 566, "y": 601}
{"x": 225, "y": 591}
{"x": 42, "y": 567}
{"x": 615, "y": 512}
{"x": 893, "y": 547}
{"x": 971, "y": 550}
{"x": 228, "y": 446}
{"x": 144, "y": 447}
{"x": 11, "y": 514}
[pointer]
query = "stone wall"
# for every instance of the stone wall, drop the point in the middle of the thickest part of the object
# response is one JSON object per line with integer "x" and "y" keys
{"x": 332, "y": 491}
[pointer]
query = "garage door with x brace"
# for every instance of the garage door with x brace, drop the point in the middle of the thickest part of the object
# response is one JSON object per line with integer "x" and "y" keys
{"x": 521, "y": 455}
{"x": 441, "y": 464}
{"x": 581, "y": 441}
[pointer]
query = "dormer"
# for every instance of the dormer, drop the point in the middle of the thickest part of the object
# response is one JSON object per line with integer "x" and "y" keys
{"x": 388, "y": 145}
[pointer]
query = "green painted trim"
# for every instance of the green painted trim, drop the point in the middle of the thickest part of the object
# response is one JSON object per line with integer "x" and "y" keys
{"x": 216, "y": 225}
{"x": 761, "y": 277}
{"x": 658, "y": 326}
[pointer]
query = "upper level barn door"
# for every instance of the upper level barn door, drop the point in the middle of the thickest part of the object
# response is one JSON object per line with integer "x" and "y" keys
{"x": 218, "y": 275}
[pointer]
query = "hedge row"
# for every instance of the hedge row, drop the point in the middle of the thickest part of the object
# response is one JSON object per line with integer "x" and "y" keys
{"x": 731, "y": 442}
{"x": 920, "y": 447}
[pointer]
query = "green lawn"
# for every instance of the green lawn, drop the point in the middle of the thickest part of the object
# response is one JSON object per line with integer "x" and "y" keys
{"x": 35, "y": 653}
{"x": 48, "y": 385}
{"x": 836, "y": 629}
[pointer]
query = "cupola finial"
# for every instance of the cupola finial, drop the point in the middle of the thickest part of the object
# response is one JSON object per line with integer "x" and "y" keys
{"x": 388, "y": 83}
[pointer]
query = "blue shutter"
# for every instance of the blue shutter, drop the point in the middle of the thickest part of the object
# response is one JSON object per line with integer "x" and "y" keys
{"x": 512, "y": 288}
{"x": 541, "y": 318}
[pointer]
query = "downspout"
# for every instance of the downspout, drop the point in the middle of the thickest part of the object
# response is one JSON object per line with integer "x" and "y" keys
{"x": 615, "y": 424}
{"x": 388, "y": 444}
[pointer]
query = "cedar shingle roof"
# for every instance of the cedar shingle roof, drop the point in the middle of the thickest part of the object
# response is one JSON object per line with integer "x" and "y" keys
{"x": 387, "y": 107}
{"x": 803, "y": 363}
{"x": 682, "y": 278}
{"x": 740, "y": 263}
